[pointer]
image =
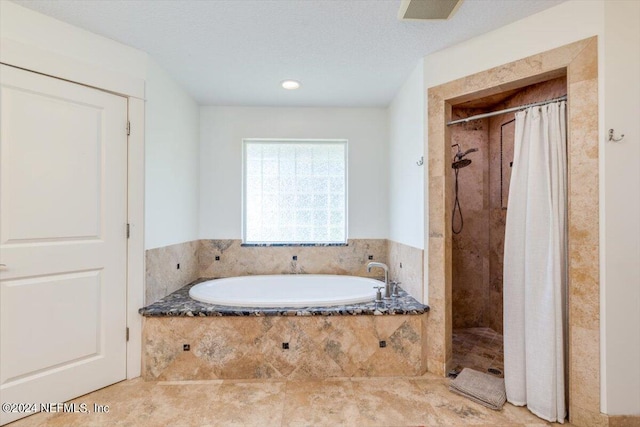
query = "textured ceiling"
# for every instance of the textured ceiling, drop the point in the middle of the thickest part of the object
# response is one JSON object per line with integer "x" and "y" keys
{"x": 345, "y": 52}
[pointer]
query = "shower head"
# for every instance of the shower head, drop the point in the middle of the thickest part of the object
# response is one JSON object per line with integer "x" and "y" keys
{"x": 459, "y": 164}
{"x": 459, "y": 161}
{"x": 460, "y": 154}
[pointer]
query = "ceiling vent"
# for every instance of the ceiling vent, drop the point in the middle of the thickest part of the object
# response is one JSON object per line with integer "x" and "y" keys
{"x": 427, "y": 9}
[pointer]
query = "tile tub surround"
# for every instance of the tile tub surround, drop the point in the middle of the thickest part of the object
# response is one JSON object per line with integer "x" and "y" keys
{"x": 180, "y": 304}
{"x": 252, "y": 347}
{"x": 162, "y": 274}
{"x": 579, "y": 62}
{"x": 198, "y": 259}
{"x": 406, "y": 266}
{"x": 238, "y": 260}
{"x": 237, "y": 342}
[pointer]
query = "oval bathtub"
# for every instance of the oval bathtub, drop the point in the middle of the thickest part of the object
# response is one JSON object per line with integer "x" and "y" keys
{"x": 288, "y": 290}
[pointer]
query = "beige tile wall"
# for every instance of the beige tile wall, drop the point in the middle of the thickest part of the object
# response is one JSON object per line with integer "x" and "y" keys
{"x": 198, "y": 259}
{"x": 162, "y": 273}
{"x": 251, "y": 347}
{"x": 406, "y": 266}
{"x": 477, "y": 267}
{"x": 238, "y": 260}
{"x": 470, "y": 248}
{"x": 579, "y": 61}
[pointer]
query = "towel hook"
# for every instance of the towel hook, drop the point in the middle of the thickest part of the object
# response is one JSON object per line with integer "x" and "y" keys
{"x": 614, "y": 139}
{"x": 421, "y": 161}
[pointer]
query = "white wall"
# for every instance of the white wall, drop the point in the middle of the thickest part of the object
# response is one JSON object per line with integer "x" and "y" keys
{"x": 39, "y": 43}
{"x": 621, "y": 196}
{"x": 620, "y": 186}
{"x": 171, "y": 157}
{"x": 171, "y": 128}
{"x": 223, "y": 128}
{"x": 566, "y": 23}
{"x": 407, "y": 117}
{"x": 81, "y": 48}
{"x": 35, "y": 29}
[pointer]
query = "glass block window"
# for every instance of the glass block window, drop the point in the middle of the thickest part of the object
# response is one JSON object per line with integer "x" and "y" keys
{"x": 295, "y": 192}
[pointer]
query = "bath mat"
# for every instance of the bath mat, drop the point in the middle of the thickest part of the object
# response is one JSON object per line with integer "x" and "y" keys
{"x": 482, "y": 388}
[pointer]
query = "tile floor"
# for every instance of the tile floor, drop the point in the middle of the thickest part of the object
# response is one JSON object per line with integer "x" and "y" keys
{"x": 392, "y": 401}
{"x": 478, "y": 348}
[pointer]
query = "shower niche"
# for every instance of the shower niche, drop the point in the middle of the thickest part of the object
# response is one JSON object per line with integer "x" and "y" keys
{"x": 478, "y": 221}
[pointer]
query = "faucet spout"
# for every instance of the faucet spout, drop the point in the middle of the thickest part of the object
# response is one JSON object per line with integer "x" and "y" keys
{"x": 387, "y": 288}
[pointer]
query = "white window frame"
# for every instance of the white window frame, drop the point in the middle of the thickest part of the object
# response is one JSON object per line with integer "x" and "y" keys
{"x": 245, "y": 142}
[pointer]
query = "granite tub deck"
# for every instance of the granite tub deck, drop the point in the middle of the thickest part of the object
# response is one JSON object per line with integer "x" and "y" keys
{"x": 184, "y": 339}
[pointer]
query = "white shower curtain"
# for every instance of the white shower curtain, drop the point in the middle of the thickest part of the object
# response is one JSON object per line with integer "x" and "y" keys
{"x": 535, "y": 263}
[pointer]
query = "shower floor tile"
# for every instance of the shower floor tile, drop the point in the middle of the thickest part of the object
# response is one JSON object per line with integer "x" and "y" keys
{"x": 480, "y": 349}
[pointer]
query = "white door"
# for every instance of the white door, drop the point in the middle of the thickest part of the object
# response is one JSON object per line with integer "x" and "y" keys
{"x": 63, "y": 214}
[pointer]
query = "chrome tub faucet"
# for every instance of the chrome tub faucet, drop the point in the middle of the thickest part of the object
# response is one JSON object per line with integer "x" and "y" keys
{"x": 387, "y": 288}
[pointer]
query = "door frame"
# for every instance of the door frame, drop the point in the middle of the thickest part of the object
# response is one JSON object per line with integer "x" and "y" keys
{"x": 579, "y": 60}
{"x": 52, "y": 64}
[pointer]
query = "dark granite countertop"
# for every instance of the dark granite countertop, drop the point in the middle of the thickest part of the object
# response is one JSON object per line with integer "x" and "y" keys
{"x": 179, "y": 304}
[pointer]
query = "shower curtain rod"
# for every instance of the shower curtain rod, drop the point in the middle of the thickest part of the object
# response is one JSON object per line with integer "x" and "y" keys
{"x": 508, "y": 110}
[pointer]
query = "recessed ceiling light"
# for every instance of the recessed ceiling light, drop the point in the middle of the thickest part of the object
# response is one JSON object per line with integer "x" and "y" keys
{"x": 290, "y": 84}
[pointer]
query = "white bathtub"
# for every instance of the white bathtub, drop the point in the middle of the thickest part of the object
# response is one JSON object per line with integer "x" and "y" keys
{"x": 291, "y": 290}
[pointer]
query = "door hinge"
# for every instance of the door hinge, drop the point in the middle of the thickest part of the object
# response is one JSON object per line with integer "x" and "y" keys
{"x": 127, "y": 334}
{"x": 128, "y": 230}
{"x": 128, "y": 128}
